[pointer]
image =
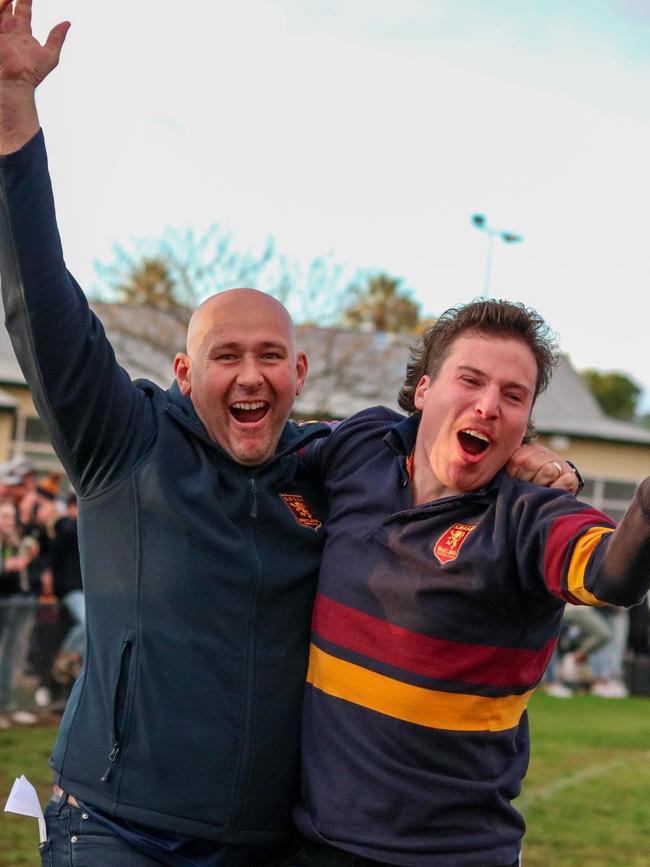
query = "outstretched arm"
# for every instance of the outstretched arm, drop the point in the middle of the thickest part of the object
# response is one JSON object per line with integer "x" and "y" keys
{"x": 24, "y": 63}
{"x": 625, "y": 570}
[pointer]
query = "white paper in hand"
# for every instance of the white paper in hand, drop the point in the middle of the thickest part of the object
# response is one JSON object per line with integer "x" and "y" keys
{"x": 23, "y": 799}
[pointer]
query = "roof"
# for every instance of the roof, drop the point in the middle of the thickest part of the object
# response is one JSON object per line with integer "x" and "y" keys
{"x": 568, "y": 407}
{"x": 348, "y": 371}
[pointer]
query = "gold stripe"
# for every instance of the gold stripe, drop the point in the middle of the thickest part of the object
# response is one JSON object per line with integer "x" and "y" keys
{"x": 578, "y": 566}
{"x": 427, "y": 707}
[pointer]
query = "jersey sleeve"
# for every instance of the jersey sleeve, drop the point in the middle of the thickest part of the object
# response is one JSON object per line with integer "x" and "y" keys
{"x": 578, "y": 554}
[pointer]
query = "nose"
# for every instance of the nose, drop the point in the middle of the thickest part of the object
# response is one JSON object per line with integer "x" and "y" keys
{"x": 249, "y": 373}
{"x": 487, "y": 403}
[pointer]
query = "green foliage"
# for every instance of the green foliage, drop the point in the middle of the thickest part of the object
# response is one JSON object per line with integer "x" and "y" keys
{"x": 616, "y": 393}
{"x": 382, "y": 304}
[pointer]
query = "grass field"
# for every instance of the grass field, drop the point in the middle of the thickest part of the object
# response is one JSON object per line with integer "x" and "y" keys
{"x": 586, "y": 798}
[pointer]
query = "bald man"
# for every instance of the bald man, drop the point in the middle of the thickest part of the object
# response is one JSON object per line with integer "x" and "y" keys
{"x": 200, "y": 540}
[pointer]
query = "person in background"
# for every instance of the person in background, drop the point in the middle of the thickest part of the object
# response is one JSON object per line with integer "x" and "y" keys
{"x": 584, "y": 631}
{"x": 68, "y": 588}
{"x": 17, "y": 607}
{"x": 607, "y": 662}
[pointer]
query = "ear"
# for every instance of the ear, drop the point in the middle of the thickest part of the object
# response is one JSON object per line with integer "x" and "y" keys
{"x": 302, "y": 366}
{"x": 182, "y": 373}
{"x": 420, "y": 392}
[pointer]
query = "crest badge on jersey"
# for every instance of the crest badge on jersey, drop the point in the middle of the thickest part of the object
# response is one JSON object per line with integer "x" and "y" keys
{"x": 451, "y": 541}
{"x": 301, "y": 511}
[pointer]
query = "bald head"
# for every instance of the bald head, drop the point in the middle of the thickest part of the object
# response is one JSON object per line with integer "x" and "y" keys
{"x": 242, "y": 304}
{"x": 242, "y": 371}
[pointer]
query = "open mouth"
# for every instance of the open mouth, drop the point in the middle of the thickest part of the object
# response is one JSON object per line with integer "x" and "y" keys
{"x": 248, "y": 411}
{"x": 472, "y": 441}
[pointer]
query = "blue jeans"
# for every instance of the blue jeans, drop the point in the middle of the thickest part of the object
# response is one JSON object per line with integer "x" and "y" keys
{"x": 16, "y": 622}
{"x": 75, "y": 839}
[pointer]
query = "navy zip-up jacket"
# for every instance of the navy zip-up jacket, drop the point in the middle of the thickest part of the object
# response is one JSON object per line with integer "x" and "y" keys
{"x": 198, "y": 574}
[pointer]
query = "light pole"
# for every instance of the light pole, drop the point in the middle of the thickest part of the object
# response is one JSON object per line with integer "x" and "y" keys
{"x": 480, "y": 221}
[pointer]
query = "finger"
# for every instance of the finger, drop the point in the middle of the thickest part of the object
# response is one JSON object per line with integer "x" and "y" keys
{"x": 526, "y": 467}
{"x": 520, "y": 465}
{"x": 6, "y": 14}
{"x": 546, "y": 475}
{"x": 56, "y": 38}
{"x": 568, "y": 481}
{"x": 23, "y": 15}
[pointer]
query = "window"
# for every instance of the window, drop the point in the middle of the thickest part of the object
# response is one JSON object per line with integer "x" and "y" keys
{"x": 611, "y": 496}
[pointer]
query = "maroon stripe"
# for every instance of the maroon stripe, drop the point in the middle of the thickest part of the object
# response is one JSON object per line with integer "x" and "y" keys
{"x": 562, "y": 534}
{"x": 432, "y": 657}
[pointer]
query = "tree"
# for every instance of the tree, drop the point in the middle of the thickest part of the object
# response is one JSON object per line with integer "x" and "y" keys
{"x": 177, "y": 271}
{"x": 615, "y": 392}
{"x": 149, "y": 283}
{"x": 382, "y": 305}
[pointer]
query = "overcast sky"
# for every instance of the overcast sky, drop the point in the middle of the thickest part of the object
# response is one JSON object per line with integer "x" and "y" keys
{"x": 371, "y": 131}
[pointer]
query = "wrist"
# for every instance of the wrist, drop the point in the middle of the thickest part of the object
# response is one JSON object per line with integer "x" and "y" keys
{"x": 18, "y": 115}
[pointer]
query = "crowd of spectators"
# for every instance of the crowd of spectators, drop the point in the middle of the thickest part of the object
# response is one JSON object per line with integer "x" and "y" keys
{"x": 41, "y": 598}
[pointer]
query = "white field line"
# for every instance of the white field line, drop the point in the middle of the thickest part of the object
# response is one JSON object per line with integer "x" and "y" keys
{"x": 543, "y": 792}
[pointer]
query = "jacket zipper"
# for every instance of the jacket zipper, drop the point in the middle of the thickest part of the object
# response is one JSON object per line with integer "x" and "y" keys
{"x": 242, "y": 781}
{"x": 254, "y": 491}
{"x": 119, "y": 704}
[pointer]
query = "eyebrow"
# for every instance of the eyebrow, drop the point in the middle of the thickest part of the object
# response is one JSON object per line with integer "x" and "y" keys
{"x": 511, "y": 384}
{"x": 234, "y": 344}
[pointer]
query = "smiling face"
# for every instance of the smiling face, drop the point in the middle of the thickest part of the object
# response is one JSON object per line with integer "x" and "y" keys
{"x": 474, "y": 414}
{"x": 242, "y": 372}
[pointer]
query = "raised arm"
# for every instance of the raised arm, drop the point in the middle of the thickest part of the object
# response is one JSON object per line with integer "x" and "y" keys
{"x": 96, "y": 419}
{"x": 24, "y": 63}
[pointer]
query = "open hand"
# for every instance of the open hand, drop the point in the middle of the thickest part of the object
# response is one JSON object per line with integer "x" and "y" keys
{"x": 23, "y": 60}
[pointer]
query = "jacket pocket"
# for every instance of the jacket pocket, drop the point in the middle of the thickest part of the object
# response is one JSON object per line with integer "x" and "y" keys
{"x": 118, "y": 723}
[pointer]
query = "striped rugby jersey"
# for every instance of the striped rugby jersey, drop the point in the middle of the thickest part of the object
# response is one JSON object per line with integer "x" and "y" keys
{"x": 432, "y": 626}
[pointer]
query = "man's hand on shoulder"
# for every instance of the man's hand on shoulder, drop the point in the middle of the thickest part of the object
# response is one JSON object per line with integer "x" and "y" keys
{"x": 24, "y": 63}
{"x": 535, "y": 463}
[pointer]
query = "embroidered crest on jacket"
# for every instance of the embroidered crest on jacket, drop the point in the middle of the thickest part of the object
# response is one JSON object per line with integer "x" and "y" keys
{"x": 449, "y": 544}
{"x": 301, "y": 511}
